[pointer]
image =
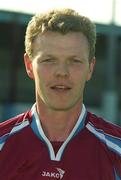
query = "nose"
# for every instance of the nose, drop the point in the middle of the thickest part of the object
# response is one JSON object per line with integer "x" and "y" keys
{"x": 62, "y": 70}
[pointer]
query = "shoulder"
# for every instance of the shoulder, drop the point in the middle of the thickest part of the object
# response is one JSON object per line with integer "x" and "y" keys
{"x": 106, "y": 132}
{"x": 12, "y": 126}
{"x": 109, "y": 134}
{"x": 103, "y": 125}
{"x": 7, "y": 125}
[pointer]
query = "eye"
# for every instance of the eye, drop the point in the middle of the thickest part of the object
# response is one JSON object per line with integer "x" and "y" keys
{"x": 76, "y": 61}
{"x": 48, "y": 60}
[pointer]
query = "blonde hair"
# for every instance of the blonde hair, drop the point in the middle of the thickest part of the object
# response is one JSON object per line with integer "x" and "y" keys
{"x": 63, "y": 21}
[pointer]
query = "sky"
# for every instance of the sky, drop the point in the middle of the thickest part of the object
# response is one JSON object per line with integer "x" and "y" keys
{"x": 97, "y": 10}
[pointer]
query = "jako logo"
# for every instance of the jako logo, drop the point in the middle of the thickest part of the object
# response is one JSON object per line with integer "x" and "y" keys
{"x": 58, "y": 175}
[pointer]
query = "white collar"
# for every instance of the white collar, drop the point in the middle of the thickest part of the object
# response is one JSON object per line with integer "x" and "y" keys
{"x": 36, "y": 124}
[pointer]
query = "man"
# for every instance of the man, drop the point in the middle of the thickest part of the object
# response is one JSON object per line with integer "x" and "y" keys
{"x": 58, "y": 138}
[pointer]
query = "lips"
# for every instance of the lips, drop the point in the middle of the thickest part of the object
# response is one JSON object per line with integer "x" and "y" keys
{"x": 60, "y": 87}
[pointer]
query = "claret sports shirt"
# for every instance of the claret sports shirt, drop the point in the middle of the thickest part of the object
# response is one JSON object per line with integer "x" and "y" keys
{"x": 92, "y": 151}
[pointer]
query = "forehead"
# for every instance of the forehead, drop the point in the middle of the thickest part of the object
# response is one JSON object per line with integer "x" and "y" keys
{"x": 54, "y": 41}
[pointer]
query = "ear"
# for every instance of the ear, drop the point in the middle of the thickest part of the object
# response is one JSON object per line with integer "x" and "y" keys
{"x": 28, "y": 65}
{"x": 91, "y": 68}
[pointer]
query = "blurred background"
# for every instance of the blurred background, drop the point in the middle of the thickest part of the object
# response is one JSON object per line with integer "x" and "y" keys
{"x": 103, "y": 92}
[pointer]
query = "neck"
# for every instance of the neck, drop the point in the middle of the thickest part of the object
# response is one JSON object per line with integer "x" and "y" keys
{"x": 57, "y": 125}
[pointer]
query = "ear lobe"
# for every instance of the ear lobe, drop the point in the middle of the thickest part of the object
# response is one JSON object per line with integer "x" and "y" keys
{"x": 91, "y": 68}
{"x": 28, "y": 65}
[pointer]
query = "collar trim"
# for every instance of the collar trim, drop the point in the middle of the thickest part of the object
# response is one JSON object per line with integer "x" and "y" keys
{"x": 37, "y": 128}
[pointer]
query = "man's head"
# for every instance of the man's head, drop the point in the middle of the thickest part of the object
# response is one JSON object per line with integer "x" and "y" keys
{"x": 62, "y": 21}
{"x": 60, "y": 48}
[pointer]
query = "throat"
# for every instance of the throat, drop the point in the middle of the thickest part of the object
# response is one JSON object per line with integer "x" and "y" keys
{"x": 57, "y": 133}
{"x": 57, "y": 125}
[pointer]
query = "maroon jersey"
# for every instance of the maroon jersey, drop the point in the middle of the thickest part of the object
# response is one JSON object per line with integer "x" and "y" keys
{"x": 92, "y": 151}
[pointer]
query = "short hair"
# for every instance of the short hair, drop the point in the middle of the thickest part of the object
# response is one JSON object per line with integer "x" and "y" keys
{"x": 62, "y": 21}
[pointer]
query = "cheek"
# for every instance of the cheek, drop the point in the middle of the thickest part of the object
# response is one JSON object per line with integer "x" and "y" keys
{"x": 80, "y": 75}
{"x": 43, "y": 70}
{"x": 80, "y": 81}
{"x": 41, "y": 76}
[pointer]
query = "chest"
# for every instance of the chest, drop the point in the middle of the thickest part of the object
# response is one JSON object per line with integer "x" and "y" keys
{"x": 83, "y": 158}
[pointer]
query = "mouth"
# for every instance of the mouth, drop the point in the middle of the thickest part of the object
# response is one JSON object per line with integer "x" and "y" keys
{"x": 60, "y": 88}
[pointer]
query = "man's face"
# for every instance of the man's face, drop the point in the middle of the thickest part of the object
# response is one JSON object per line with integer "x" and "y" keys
{"x": 60, "y": 68}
